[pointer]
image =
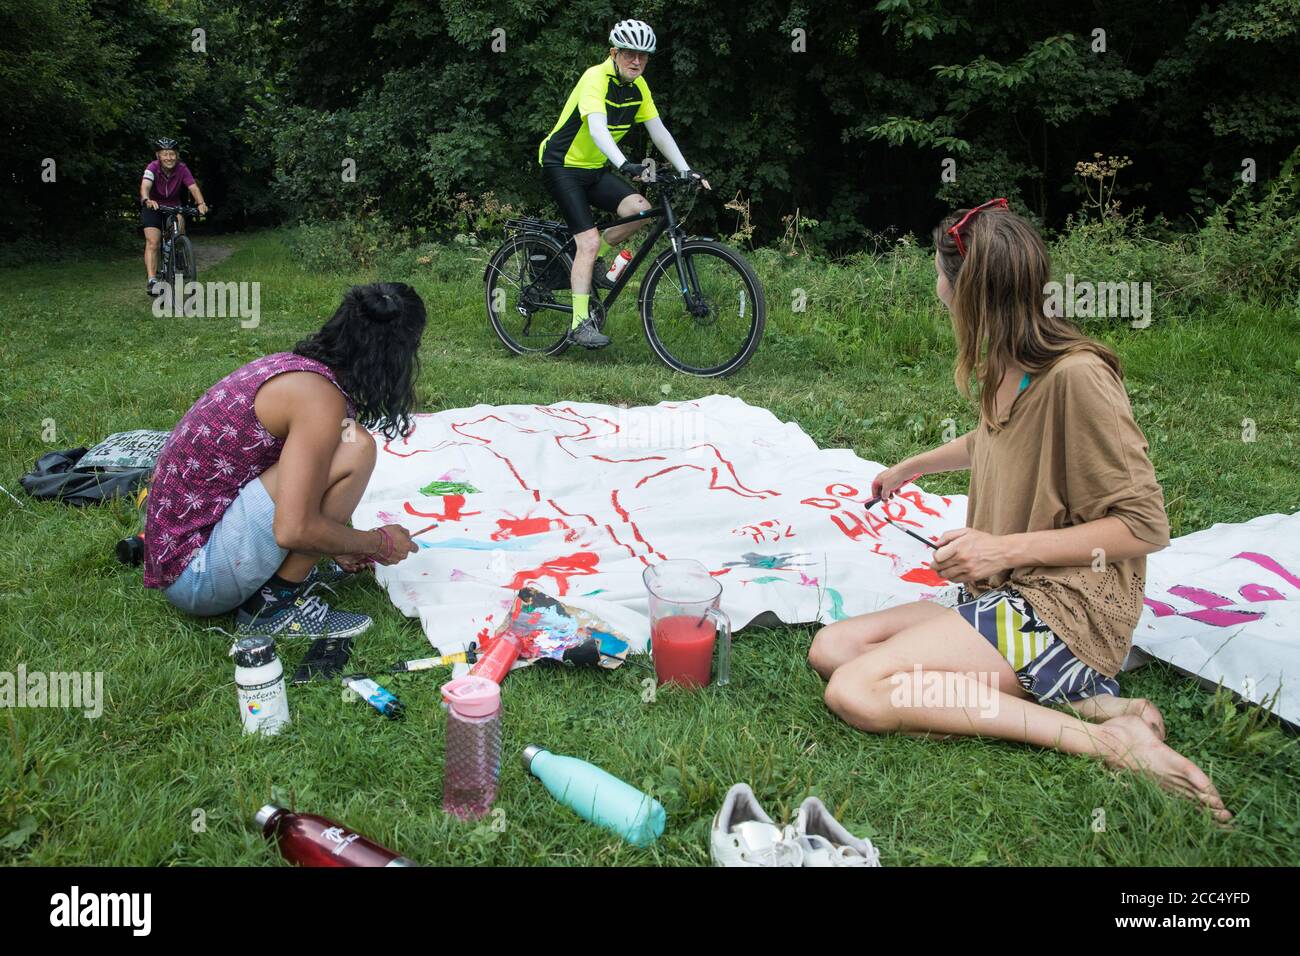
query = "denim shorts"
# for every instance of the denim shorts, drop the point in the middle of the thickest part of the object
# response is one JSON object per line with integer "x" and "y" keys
{"x": 239, "y": 557}
{"x": 1044, "y": 665}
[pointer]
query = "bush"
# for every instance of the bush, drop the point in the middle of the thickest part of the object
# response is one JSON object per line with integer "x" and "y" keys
{"x": 343, "y": 245}
{"x": 1248, "y": 250}
{"x": 1253, "y": 247}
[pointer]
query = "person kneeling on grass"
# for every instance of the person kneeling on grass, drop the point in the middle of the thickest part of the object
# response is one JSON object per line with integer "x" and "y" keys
{"x": 1063, "y": 509}
{"x": 259, "y": 479}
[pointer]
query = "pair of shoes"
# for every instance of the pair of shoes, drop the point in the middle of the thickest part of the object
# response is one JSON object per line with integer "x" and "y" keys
{"x": 302, "y": 614}
{"x": 744, "y": 835}
{"x": 588, "y": 335}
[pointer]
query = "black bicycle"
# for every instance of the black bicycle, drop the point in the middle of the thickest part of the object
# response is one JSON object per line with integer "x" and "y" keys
{"x": 701, "y": 303}
{"x": 177, "y": 253}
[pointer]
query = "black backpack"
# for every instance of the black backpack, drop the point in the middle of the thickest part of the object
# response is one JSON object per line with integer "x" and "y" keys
{"x": 57, "y": 476}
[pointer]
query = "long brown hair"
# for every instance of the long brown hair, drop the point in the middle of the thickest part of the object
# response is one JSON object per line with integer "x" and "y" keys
{"x": 998, "y": 312}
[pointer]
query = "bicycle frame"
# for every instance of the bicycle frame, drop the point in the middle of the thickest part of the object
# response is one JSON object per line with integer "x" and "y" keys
{"x": 171, "y": 231}
{"x": 667, "y": 223}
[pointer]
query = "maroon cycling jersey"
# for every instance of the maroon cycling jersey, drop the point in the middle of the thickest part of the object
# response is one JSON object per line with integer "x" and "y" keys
{"x": 169, "y": 189}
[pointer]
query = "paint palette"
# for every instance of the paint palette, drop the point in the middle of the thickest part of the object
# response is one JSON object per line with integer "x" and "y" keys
{"x": 548, "y": 629}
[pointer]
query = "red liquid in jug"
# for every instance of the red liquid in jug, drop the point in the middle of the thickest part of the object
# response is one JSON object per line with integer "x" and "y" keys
{"x": 683, "y": 650}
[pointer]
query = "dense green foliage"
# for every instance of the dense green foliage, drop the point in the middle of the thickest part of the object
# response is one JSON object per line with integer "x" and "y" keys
{"x": 89, "y": 84}
{"x": 835, "y": 114}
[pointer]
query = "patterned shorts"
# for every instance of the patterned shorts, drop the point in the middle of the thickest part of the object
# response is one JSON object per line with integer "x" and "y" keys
{"x": 1044, "y": 665}
{"x": 238, "y": 558}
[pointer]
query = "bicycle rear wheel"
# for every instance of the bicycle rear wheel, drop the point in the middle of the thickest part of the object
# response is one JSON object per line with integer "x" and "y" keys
{"x": 719, "y": 333}
{"x": 529, "y": 272}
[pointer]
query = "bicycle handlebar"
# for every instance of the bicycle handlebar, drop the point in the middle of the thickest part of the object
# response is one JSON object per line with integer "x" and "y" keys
{"x": 183, "y": 210}
{"x": 674, "y": 180}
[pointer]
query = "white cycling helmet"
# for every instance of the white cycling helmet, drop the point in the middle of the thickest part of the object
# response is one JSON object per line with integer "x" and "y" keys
{"x": 632, "y": 35}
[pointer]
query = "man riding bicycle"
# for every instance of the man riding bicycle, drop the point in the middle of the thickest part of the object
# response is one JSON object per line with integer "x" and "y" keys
{"x": 163, "y": 184}
{"x": 608, "y": 99}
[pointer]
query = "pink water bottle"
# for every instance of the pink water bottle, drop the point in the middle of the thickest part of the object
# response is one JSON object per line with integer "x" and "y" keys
{"x": 473, "y": 751}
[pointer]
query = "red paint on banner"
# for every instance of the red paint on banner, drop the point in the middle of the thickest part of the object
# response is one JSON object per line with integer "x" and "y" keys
{"x": 520, "y": 527}
{"x": 926, "y": 576}
{"x": 559, "y": 569}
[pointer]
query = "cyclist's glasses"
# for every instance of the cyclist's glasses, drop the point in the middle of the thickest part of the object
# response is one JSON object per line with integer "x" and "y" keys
{"x": 955, "y": 230}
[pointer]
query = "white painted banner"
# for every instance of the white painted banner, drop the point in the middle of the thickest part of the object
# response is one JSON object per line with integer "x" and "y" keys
{"x": 578, "y": 499}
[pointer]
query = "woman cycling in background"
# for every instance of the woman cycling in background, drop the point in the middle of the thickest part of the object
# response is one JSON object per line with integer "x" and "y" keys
{"x": 1064, "y": 506}
{"x": 609, "y": 98}
{"x": 165, "y": 183}
{"x": 260, "y": 478}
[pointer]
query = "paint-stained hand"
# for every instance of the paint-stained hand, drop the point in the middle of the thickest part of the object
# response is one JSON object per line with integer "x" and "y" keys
{"x": 966, "y": 555}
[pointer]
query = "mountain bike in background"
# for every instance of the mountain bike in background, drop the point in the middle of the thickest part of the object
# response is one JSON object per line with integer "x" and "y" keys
{"x": 177, "y": 252}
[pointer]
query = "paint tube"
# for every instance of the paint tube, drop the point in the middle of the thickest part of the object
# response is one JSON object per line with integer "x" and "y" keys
{"x": 426, "y": 663}
{"x": 496, "y": 663}
{"x": 374, "y": 695}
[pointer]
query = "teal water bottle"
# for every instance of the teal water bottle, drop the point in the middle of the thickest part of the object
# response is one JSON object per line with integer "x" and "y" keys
{"x": 597, "y": 796}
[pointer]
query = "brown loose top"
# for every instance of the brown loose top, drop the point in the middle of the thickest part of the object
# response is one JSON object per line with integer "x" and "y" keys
{"x": 1070, "y": 452}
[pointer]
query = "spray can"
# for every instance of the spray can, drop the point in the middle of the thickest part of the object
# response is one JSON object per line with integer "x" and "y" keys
{"x": 259, "y": 680}
{"x": 131, "y": 550}
{"x": 496, "y": 663}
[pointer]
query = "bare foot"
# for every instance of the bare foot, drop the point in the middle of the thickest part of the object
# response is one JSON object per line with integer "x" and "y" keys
{"x": 1104, "y": 707}
{"x": 1136, "y": 747}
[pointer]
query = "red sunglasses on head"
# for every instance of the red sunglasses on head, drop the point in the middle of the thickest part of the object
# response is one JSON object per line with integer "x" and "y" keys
{"x": 955, "y": 230}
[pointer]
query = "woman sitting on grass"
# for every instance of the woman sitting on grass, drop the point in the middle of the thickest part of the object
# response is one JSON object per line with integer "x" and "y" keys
{"x": 1064, "y": 507}
{"x": 259, "y": 479}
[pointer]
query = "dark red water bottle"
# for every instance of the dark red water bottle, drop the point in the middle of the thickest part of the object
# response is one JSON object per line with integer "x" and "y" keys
{"x": 309, "y": 840}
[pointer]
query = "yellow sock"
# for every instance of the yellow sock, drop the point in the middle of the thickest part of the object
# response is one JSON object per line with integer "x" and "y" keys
{"x": 580, "y": 309}
{"x": 605, "y": 248}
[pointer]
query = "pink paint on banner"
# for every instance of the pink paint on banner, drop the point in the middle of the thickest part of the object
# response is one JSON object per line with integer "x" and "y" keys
{"x": 1268, "y": 564}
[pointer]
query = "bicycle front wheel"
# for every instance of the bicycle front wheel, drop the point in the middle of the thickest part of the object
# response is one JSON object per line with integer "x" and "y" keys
{"x": 713, "y": 326}
{"x": 526, "y": 275}
{"x": 184, "y": 259}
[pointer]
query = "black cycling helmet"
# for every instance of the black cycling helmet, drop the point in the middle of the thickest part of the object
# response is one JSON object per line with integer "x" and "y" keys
{"x": 164, "y": 142}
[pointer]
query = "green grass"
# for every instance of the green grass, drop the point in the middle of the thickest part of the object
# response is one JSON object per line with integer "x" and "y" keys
{"x": 867, "y": 366}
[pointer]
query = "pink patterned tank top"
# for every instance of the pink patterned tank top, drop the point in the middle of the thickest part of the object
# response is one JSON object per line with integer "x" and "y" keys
{"x": 216, "y": 449}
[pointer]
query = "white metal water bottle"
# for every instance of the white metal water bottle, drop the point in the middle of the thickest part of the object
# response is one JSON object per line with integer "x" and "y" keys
{"x": 259, "y": 679}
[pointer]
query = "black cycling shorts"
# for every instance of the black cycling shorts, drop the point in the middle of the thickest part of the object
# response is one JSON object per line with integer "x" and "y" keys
{"x": 576, "y": 190}
{"x": 151, "y": 218}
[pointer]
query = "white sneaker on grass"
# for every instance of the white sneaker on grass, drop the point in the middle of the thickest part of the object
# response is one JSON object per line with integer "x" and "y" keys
{"x": 824, "y": 841}
{"x": 743, "y": 835}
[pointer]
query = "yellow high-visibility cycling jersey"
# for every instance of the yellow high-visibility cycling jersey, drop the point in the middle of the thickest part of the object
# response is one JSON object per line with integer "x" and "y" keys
{"x": 599, "y": 91}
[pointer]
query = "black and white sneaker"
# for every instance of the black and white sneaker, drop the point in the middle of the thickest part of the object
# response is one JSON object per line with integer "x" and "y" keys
{"x": 588, "y": 335}
{"x": 302, "y": 615}
{"x": 152, "y": 287}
